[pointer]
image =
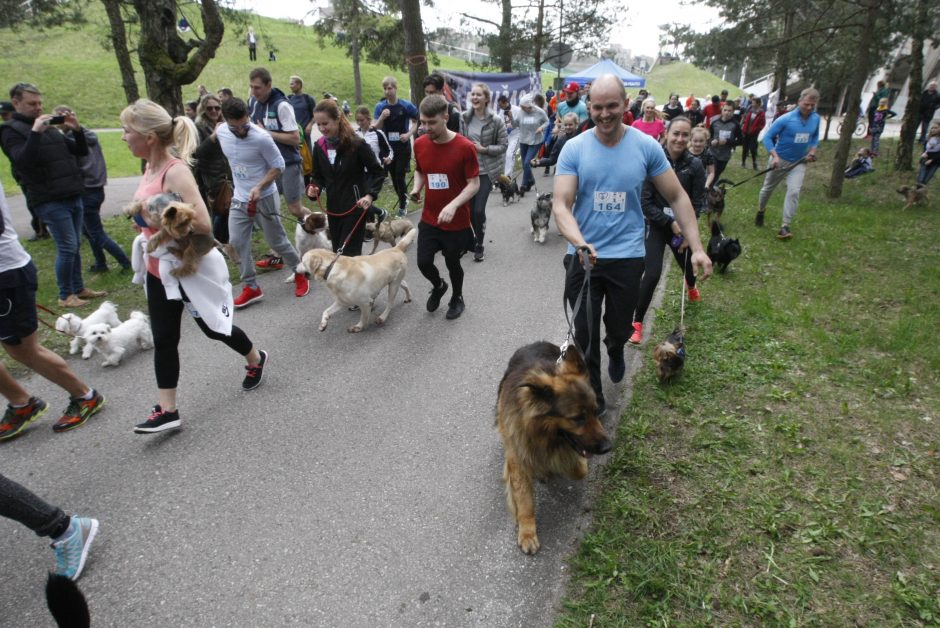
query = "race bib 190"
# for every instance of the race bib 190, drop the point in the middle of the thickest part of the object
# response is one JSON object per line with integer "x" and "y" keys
{"x": 610, "y": 201}
{"x": 438, "y": 182}
{"x": 801, "y": 138}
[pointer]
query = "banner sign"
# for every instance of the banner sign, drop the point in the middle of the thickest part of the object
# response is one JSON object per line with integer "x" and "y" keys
{"x": 457, "y": 85}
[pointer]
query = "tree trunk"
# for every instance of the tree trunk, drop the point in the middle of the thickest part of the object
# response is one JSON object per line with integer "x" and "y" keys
{"x": 415, "y": 53}
{"x": 119, "y": 43}
{"x": 354, "y": 53}
{"x": 505, "y": 38}
{"x": 165, "y": 57}
{"x": 537, "y": 52}
{"x": 856, "y": 84}
{"x": 905, "y": 157}
{"x": 782, "y": 73}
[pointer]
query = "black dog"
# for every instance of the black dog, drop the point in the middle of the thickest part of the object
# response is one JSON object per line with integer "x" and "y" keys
{"x": 66, "y": 603}
{"x": 508, "y": 188}
{"x": 722, "y": 250}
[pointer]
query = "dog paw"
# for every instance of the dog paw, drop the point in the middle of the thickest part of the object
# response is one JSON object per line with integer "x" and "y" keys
{"x": 322, "y": 326}
{"x": 379, "y": 320}
{"x": 528, "y": 542}
{"x": 355, "y": 329}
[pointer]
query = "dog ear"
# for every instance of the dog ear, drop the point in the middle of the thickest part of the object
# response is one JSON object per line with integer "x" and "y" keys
{"x": 539, "y": 385}
{"x": 573, "y": 362}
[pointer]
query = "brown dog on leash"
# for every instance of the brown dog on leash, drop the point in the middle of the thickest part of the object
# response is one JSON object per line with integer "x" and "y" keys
{"x": 546, "y": 414}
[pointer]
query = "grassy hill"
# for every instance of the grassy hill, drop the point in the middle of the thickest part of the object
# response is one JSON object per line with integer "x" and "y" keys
{"x": 683, "y": 78}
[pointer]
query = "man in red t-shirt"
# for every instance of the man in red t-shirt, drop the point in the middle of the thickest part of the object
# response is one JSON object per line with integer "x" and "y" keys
{"x": 446, "y": 163}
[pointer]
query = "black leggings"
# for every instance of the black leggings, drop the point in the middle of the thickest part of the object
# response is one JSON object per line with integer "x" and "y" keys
{"x": 478, "y": 211}
{"x": 656, "y": 242}
{"x": 750, "y": 147}
{"x": 452, "y": 244}
{"x": 165, "y": 317}
{"x": 615, "y": 284}
{"x": 397, "y": 171}
{"x": 719, "y": 168}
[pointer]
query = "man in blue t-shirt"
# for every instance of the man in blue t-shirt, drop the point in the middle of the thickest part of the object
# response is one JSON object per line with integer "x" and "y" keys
{"x": 394, "y": 115}
{"x": 598, "y": 180}
{"x": 790, "y": 140}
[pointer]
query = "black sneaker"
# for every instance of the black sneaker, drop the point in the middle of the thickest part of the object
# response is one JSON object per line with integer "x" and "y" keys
{"x": 759, "y": 219}
{"x": 455, "y": 308}
{"x": 434, "y": 301}
{"x": 254, "y": 373}
{"x": 380, "y": 218}
{"x": 616, "y": 366}
{"x": 784, "y": 233}
{"x": 478, "y": 255}
{"x": 159, "y": 421}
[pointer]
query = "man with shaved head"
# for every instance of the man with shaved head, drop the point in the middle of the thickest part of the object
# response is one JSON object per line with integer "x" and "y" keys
{"x": 596, "y": 205}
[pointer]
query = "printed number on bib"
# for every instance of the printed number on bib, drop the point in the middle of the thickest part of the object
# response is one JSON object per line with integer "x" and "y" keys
{"x": 724, "y": 135}
{"x": 240, "y": 172}
{"x": 610, "y": 201}
{"x": 438, "y": 182}
{"x": 801, "y": 138}
{"x": 394, "y": 136}
{"x": 331, "y": 154}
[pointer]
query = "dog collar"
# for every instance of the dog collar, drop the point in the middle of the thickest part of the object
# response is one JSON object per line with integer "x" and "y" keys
{"x": 329, "y": 269}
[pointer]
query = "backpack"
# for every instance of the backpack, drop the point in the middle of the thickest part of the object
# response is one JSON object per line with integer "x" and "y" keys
{"x": 306, "y": 157}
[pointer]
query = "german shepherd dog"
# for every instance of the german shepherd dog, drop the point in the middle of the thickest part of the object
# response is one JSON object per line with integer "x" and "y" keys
{"x": 546, "y": 416}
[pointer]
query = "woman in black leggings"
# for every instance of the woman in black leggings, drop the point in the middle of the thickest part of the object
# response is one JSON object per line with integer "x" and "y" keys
{"x": 166, "y": 144}
{"x": 662, "y": 229}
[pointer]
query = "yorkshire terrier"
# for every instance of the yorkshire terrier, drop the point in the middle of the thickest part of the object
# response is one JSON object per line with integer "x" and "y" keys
{"x": 716, "y": 201}
{"x": 174, "y": 221}
{"x": 914, "y": 194}
{"x": 669, "y": 356}
{"x": 508, "y": 188}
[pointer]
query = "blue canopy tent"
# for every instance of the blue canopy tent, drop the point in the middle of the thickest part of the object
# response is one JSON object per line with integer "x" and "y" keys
{"x": 606, "y": 66}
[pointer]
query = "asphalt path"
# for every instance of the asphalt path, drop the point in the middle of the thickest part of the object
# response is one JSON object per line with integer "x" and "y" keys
{"x": 359, "y": 486}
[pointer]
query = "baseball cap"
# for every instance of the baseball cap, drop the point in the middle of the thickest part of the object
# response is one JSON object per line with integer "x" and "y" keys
{"x": 572, "y": 87}
{"x": 6, "y": 107}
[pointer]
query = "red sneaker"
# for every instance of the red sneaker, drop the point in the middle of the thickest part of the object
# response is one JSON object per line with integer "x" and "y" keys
{"x": 248, "y": 296}
{"x": 301, "y": 285}
{"x": 637, "y": 336}
{"x": 270, "y": 262}
{"x": 694, "y": 295}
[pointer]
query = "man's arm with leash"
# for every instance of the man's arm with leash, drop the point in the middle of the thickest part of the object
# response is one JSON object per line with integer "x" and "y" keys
{"x": 669, "y": 187}
{"x": 563, "y": 195}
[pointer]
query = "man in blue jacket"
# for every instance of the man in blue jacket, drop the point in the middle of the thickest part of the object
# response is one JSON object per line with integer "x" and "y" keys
{"x": 791, "y": 140}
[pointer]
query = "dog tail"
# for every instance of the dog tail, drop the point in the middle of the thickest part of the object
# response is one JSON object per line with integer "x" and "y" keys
{"x": 406, "y": 240}
{"x": 139, "y": 315}
{"x": 66, "y": 602}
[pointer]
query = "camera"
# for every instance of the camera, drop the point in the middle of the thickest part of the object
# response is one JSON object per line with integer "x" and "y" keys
{"x": 57, "y": 120}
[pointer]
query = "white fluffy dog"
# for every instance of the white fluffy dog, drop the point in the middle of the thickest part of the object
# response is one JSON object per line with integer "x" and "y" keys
{"x": 77, "y": 327}
{"x": 112, "y": 343}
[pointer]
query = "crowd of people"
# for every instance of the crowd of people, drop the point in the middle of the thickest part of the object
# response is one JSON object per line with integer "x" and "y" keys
{"x": 630, "y": 181}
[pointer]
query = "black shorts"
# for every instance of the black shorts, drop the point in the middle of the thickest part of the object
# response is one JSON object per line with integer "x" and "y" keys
{"x": 18, "y": 304}
{"x": 432, "y": 239}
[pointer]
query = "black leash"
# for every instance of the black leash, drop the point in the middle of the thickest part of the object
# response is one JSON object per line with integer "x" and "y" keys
{"x": 732, "y": 184}
{"x": 585, "y": 290}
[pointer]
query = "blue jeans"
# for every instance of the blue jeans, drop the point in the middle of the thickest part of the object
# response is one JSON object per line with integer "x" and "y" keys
{"x": 528, "y": 153}
{"x": 98, "y": 239}
{"x": 63, "y": 218}
{"x": 926, "y": 172}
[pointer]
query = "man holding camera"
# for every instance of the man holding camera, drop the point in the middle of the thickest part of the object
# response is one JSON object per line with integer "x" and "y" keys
{"x": 46, "y": 163}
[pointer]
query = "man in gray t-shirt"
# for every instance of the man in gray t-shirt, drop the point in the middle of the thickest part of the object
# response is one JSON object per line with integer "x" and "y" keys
{"x": 256, "y": 163}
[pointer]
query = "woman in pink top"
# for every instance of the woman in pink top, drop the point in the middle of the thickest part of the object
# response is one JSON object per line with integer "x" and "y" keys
{"x": 166, "y": 144}
{"x": 651, "y": 123}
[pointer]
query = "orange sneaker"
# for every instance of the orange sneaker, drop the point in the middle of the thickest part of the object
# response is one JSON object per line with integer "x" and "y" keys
{"x": 637, "y": 336}
{"x": 694, "y": 295}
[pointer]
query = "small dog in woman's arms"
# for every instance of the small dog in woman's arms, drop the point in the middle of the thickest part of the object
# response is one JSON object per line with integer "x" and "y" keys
{"x": 540, "y": 215}
{"x": 173, "y": 220}
{"x": 76, "y": 326}
{"x": 113, "y": 342}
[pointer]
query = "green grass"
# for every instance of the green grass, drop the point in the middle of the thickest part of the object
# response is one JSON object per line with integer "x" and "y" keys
{"x": 683, "y": 78}
{"x": 87, "y": 78}
{"x": 790, "y": 475}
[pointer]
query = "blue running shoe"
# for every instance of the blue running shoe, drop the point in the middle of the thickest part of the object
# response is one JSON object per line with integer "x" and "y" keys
{"x": 71, "y": 552}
